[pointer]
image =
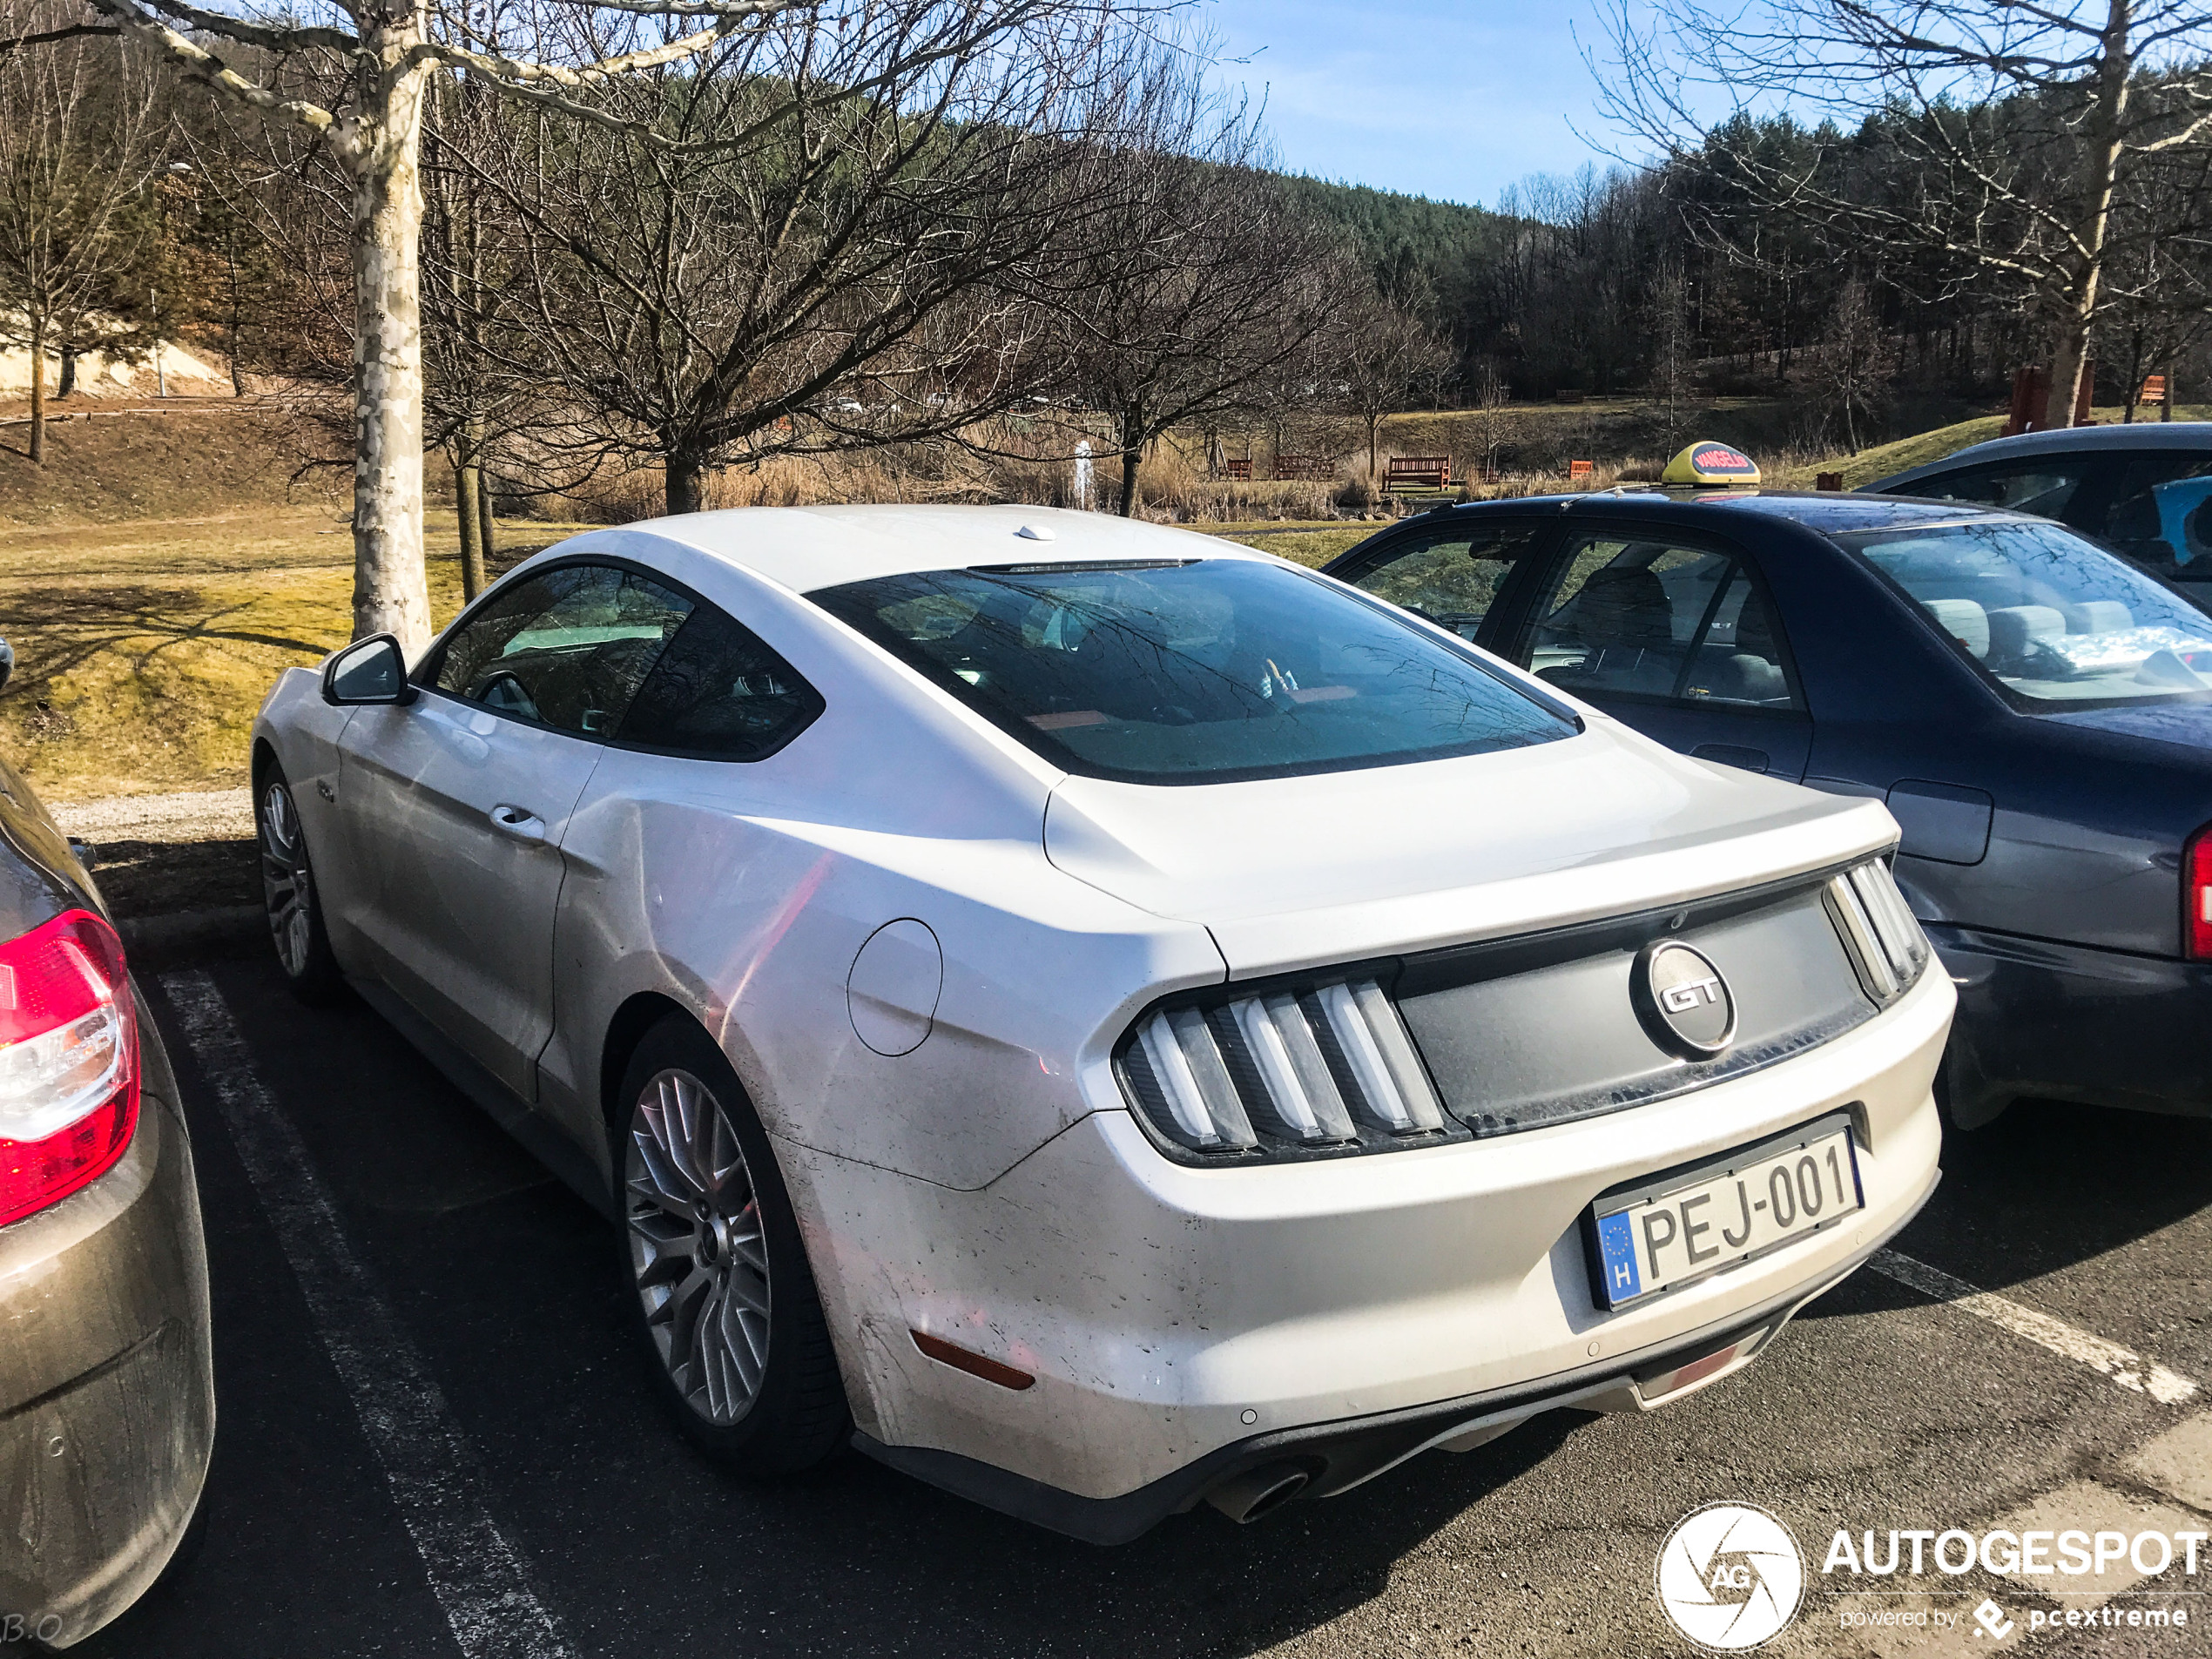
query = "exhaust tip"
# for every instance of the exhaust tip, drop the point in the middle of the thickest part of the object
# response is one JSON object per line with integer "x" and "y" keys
{"x": 1245, "y": 1498}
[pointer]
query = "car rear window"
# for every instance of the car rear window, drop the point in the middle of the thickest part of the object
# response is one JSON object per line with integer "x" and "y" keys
{"x": 1203, "y": 670}
{"x": 2051, "y": 617}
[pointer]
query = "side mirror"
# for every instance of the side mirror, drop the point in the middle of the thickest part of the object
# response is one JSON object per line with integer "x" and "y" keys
{"x": 368, "y": 671}
{"x": 7, "y": 663}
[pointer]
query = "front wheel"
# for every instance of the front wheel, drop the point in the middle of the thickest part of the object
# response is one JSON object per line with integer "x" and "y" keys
{"x": 724, "y": 1298}
{"x": 288, "y": 889}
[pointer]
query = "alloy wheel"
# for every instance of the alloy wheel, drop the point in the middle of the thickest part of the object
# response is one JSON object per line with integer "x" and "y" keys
{"x": 696, "y": 1246}
{"x": 287, "y": 886}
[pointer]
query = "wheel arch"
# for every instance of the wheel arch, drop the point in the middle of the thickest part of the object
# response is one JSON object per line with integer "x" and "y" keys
{"x": 636, "y": 1015}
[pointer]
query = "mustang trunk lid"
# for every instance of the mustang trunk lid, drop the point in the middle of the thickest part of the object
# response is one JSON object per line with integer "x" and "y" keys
{"x": 1294, "y": 872}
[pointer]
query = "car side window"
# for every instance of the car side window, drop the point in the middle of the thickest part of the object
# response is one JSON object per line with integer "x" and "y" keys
{"x": 2160, "y": 517}
{"x": 719, "y": 693}
{"x": 567, "y": 649}
{"x": 2043, "y": 485}
{"x": 1661, "y": 620}
{"x": 1451, "y": 576}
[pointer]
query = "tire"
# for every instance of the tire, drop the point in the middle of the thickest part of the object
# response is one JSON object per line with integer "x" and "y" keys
{"x": 289, "y": 891}
{"x": 722, "y": 1296}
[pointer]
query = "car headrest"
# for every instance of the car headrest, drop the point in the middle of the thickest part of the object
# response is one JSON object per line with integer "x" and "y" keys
{"x": 1624, "y": 605}
{"x": 2099, "y": 616}
{"x": 1964, "y": 621}
{"x": 2014, "y": 630}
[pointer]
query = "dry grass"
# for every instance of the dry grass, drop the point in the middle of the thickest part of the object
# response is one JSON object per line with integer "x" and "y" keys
{"x": 143, "y": 650}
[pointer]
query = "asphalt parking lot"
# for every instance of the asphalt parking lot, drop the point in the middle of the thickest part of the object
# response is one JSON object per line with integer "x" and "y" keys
{"x": 436, "y": 1439}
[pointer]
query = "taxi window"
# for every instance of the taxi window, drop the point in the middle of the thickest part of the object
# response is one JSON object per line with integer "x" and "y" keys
{"x": 1451, "y": 576}
{"x": 2052, "y": 618}
{"x": 1658, "y": 620}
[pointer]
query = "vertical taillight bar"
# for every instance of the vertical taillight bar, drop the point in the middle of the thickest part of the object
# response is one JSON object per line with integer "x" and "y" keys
{"x": 2197, "y": 896}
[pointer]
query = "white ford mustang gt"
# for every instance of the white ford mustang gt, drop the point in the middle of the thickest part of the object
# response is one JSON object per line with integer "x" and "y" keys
{"x": 1100, "y": 1018}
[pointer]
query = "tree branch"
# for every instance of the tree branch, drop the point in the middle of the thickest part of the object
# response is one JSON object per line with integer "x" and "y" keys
{"x": 205, "y": 67}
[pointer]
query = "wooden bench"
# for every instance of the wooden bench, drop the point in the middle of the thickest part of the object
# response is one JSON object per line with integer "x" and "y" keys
{"x": 1418, "y": 472}
{"x": 1239, "y": 470}
{"x": 1305, "y": 470}
{"x": 2154, "y": 390}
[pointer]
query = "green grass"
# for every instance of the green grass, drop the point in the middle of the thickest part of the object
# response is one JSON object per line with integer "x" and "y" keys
{"x": 1869, "y": 465}
{"x": 1313, "y": 544}
{"x": 1883, "y": 459}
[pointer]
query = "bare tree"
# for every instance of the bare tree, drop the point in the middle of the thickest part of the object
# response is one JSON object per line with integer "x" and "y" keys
{"x": 1208, "y": 282}
{"x": 1674, "y": 367}
{"x": 2014, "y": 131}
{"x": 1383, "y": 355}
{"x": 80, "y": 154}
{"x": 816, "y": 237}
{"x": 356, "y": 78}
{"x": 1849, "y": 372}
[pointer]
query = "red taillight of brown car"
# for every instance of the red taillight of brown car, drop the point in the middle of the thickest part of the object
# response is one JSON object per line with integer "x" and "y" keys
{"x": 69, "y": 1060}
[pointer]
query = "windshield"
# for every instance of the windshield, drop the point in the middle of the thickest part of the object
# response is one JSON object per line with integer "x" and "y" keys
{"x": 2051, "y": 618}
{"x": 1206, "y": 670}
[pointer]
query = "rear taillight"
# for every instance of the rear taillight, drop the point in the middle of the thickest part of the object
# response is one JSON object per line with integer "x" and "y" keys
{"x": 2197, "y": 896}
{"x": 1885, "y": 943}
{"x": 69, "y": 1060}
{"x": 1320, "y": 1066}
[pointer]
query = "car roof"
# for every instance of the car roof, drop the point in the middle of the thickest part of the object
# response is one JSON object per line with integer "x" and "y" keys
{"x": 2075, "y": 440}
{"x": 1824, "y": 510}
{"x": 806, "y": 548}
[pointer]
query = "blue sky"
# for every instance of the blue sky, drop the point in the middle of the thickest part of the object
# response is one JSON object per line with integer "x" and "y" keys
{"x": 1451, "y": 101}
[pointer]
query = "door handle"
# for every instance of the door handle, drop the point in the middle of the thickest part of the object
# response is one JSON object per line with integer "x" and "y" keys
{"x": 518, "y": 823}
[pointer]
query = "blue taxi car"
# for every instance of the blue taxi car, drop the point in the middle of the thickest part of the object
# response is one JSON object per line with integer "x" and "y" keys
{"x": 2036, "y": 712}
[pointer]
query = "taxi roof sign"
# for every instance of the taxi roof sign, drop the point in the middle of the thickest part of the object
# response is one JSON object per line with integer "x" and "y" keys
{"x": 1708, "y": 462}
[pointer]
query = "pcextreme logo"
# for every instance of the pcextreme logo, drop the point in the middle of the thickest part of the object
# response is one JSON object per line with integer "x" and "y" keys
{"x": 1731, "y": 1577}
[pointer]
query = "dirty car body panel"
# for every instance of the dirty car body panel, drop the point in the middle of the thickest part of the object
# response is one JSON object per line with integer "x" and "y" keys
{"x": 107, "y": 1411}
{"x": 1096, "y": 782}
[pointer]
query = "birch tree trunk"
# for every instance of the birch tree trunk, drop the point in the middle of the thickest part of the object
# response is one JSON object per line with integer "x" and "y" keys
{"x": 391, "y": 592}
{"x": 2101, "y": 167}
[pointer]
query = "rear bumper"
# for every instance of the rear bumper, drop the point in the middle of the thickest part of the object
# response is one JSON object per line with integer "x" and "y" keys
{"x": 1331, "y": 1457}
{"x": 2071, "y": 1022}
{"x": 107, "y": 1413}
{"x": 1183, "y": 1325}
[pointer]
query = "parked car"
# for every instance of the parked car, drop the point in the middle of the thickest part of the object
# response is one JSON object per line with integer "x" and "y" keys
{"x": 2143, "y": 490}
{"x": 2036, "y": 713}
{"x": 1102, "y": 1017}
{"x": 107, "y": 1405}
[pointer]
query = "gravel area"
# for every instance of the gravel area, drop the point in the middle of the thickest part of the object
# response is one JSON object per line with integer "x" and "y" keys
{"x": 158, "y": 855}
{"x": 189, "y": 815}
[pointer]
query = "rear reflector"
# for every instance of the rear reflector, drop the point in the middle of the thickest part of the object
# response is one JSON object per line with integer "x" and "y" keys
{"x": 974, "y": 1365}
{"x": 69, "y": 1060}
{"x": 2197, "y": 896}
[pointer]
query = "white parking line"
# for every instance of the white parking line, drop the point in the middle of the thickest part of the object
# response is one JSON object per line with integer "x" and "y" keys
{"x": 436, "y": 1481}
{"x": 2128, "y": 1369}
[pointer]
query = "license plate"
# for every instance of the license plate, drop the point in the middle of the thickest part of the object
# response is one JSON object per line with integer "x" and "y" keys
{"x": 1690, "y": 1224}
